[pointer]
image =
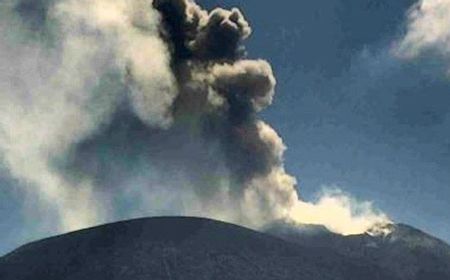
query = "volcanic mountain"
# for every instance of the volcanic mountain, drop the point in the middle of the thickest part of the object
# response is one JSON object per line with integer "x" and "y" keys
{"x": 196, "y": 248}
{"x": 400, "y": 250}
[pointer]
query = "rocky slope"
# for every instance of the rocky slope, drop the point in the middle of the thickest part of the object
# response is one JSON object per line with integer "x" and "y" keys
{"x": 403, "y": 251}
{"x": 194, "y": 248}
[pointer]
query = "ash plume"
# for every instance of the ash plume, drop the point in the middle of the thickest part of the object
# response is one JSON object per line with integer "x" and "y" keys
{"x": 131, "y": 108}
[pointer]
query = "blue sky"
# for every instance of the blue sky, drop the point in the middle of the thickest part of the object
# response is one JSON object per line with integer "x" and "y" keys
{"x": 353, "y": 115}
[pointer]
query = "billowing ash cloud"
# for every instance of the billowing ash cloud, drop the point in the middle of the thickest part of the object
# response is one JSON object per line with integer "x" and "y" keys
{"x": 117, "y": 109}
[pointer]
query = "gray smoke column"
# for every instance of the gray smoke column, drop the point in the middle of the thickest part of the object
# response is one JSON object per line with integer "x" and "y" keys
{"x": 132, "y": 108}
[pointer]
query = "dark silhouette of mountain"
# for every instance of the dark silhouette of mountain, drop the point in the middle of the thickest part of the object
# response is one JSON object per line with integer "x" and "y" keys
{"x": 177, "y": 248}
{"x": 402, "y": 251}
{"x": 196, "y": 248}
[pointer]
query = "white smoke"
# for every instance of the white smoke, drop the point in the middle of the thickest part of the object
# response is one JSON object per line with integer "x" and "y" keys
{"x": 427, "y": 29}
{"x": 53, "y": 98}
{"x": 340, "y": 213}
{"x": 48, "y": 100}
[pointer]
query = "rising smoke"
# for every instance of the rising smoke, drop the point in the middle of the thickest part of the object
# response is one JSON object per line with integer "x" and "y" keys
{"x": 115, "y": 109}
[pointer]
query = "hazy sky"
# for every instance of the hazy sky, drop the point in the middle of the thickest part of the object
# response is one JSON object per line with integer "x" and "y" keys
{"x": 353, "y": 115}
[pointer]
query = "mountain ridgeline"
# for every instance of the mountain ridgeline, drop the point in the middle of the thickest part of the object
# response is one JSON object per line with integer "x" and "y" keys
{"x": 402, "y": 251}
{"x": 196, "y": 248}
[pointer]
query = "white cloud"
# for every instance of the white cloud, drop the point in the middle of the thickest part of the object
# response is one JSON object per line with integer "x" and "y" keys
{"x": 427, "y": 29}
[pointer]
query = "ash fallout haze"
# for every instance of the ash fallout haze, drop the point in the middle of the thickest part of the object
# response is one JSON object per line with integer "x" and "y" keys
{"x": 111, "y": 110}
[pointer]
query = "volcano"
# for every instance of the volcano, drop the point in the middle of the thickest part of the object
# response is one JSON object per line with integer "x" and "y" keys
{"x": 197, "y": 248}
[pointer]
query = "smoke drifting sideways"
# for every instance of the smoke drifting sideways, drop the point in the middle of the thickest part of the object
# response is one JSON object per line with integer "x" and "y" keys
{"x": 114, "y": 109}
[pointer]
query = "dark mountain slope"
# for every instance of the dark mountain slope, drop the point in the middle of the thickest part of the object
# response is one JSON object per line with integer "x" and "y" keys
{"x": 405, "y": 252}
{"x": 178, "y": 248}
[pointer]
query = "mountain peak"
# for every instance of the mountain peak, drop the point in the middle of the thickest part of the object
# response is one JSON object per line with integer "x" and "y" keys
{"x": 196, "y": 248}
